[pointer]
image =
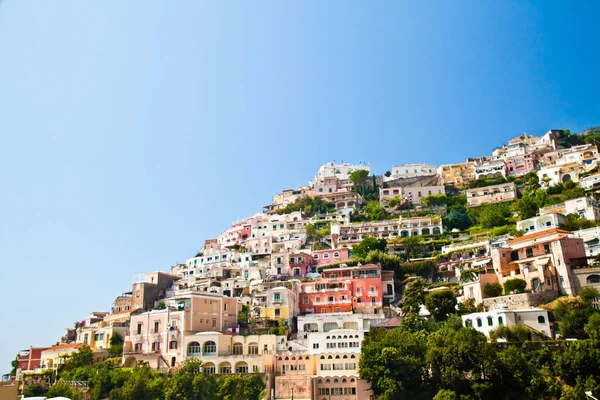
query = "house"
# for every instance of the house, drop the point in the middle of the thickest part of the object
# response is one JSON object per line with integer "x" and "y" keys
{"x": 490, "y": 169}
{"x": 344, "y": 235}
{"x": 330, "y": 256}
{"x": 227, "y": 354}
{"x": 156, "y": 336}
{"x": 30, "y": 359}
{"x": 343, "y": 199}
{"x": 543, "y": 222}
{"x": 340, "y": 171}
{"x": 554, "y": 174}
{"x": 55, "y": 356}
{"x": 410, "y": 171}
{"x": 491, "y": 194}
{"x": 585, "y": 207}
{"x": 97, "y": 333}
{"x": 287, "y": 197}
{"x": 544, "y": 259}
{"x": 519, "y": 165}
{"x": 411, "y": 189}
{"x": 458, "y": 175}
{"x": 151, "y": 287}
{"x": 590, "y": 182}
{"x": 281, "y": 304}
{"x": 343, "y": 289}
{"x": 591, "y": 240}
{"x": 534, "y": 318}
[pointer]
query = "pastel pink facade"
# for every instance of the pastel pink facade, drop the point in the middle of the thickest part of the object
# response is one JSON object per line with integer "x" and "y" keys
{"x": 300, "y": 264}
{"x": 343, "y": 289}
{"x": 330, "y": 256}
{"x": 520, "y": 165}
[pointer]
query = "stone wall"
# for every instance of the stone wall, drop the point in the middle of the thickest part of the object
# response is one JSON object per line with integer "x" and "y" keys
{"x": 301, "y": 384}
{"x": 521, "y": 300}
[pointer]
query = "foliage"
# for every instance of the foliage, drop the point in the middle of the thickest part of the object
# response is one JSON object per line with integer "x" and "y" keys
{"x": 62, "y": 389}
{"x": 490, "y": 215}
{"x": 467, "y": 306}
{"x": 440, "y": 304}
{"x": 414, "y": 297}
{"x": 575, "y": 222}
{"x": 309, "y": 205}
{"x": 34, "y": 390}
{"x": 592, "y": 328}
{"x": 457, "y": 219}
{"x": 589, "y": 293}
{"x": 373, "y": 211}
{"x": 367, "y": 244}
{"x": 116, "y": 345}
{"x": 514, "y": 284}
{"x": 318, "y": 230}
{"x": 435, "y": 200}
{"x": 359, "y": 178}
{"x": 14, "y": 364}
{"x": 492, "y": 289}
{"x": 483, "y": 182}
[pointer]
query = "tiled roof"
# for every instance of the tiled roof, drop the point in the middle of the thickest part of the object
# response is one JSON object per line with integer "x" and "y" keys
{"x": 535, "y": 235}
{"x": 125, "y": 311}
{"x": 65, "y": 346}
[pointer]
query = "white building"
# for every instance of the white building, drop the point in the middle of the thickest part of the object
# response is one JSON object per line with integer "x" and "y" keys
{"x": 590, "y": 182}
{"x": 591, "y": 240}
{"x": 586, "y": 207}
{"x": 490, "y": 169}
{"x": 543, "y": 222}
{"x": 340, "y": 171}
{"x": 485, "y": 322}
{"x": 410, "y": 171}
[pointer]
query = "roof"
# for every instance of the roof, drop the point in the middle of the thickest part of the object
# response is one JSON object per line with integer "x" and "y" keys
{"x": 417, "y": 181}
{"x": 68, "y": 346}
{"x": 125, "y": 311}
{"x": 535, "y": 235}
{"x": 390, "y": 323}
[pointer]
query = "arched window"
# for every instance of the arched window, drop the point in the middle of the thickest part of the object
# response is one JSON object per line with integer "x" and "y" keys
{"x": 500, "y": 321}
{"x": 479, "y": 322}
{"x": 541, "y": 319}
{"x": 322, "y": 357}
{"x": 241, "y": 368}
{"x": 253, "y": 348}
{"x": 209, "y": 368}
{"x": 468, "y": 322}
{"x": 209, "y": 348}
{"x": 336, "y": 255}
{"x": 194, "y": 349}
{"x": 316, "y": 256}
{"x": 490, "y": 321}
{"x": 238, "y": 349}
{"x": 225, "y": 368}
{"x": 325, "y": 255}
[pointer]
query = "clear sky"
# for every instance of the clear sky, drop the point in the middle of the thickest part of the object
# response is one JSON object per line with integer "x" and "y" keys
{"x": 133, "y": 130}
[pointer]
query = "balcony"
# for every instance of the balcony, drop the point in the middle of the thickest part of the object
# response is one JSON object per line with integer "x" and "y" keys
{"x": 334, "y": 302}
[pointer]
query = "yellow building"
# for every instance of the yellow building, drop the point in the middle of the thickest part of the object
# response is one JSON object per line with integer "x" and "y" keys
{"x": 458, "y": 175}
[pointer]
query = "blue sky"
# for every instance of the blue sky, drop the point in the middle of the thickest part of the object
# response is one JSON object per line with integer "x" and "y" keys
{"x": 132, "y": 131}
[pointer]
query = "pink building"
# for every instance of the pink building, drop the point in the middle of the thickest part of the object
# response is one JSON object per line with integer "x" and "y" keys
{"x": 520, "y": 164}
{"x": 543, "y": 259}
{"x": 300, "y": 264}
{"x": 330, "y": 256}
{"x": 157, "y": 336}
{"x": 343, "y": 289}
{"x": 329, "y": 185}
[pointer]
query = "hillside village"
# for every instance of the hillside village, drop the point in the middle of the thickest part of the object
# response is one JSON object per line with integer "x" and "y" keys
{"x": 293, "y": 292}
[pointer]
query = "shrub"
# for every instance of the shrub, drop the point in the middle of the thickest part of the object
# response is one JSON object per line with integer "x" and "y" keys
{"x": 492, "y": 289}
{"x": 515, "y": 284}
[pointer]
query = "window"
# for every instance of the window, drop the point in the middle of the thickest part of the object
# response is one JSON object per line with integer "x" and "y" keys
{"x": 155, "y": 346}
{"x": 214, "y": 323}
{"x": 277, "y": 297}
{"x": 225, "y": 368}
{"x": 292, "y": 260}
{"x": 529, "y": 252}
{"x": 156, "y": 326}
{"x": 305, "y": 300}
{"x": 323, "y": 310}
{"x": 336, "y": 255}
{"x": 541, "y": 319}
{"x": 139, "y": 328}
{"x": 173, "y": 345}
{"x": 490, "y": 321}
{"x": 299, "y": 259}
{"x": 500, "y": 321}
{"x": 253, "y": 348}
{"x": 325, "y": 255}
{"x": 238, "y": 349}
{"x": 277, "y": 313}
{"x": 209, "y": 348}
{"x": 479, "y": 322}
{"x": 316, "y": 256}
{"x": 315, "y": 345}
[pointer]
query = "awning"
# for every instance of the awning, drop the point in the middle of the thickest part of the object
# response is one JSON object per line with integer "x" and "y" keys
{"x": 542, "y": 261}
{"x": 481, "y": 262}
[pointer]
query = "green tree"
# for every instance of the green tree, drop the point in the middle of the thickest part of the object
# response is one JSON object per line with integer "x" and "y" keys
{"x": 457, "y": 219}
{"x": 434, "y": 200}
{"x": 246, "y": 386}
{"x": 440, "y": 304}
{"x": 368, "y": 244}
{"x": 412, "y": 246}
{"x": 374, "y": 211}
{"x": 116, "y": 345}
{"x": 143, "y": 383}
{"x": 34, "y": 390}
{"x": 81, "y": 358}
{"x": 515, "y": 284}
{"x": 445, "y": 394}
{"x": 394, "y": 202}
{"x": 490, "y": 215}
{"x": 592, "y": 328}
{"x": 467, "y": 307}
{"x": 62, "y": 389}
{"x": 587, "y": 294}
{"x": 14, "y": 364}
{"x": 492, "y": 289}
{"x": 359, "y": 178}
{"x": 414, "y": 297}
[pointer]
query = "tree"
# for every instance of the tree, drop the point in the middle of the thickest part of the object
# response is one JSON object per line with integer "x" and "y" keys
{"x": 467, "y": 307}
{"x": 62, "y": 389}
{"x": 14, "y": 364}
{"x": 492, "y": 289}
{"x": 440, "y": 304}
{"x": 394, "y": 201}
{"x": 367, "y": 244}
{"x": 412, "y": 246}
{"x": 587, "y": 294}
{"x": 34, "y": 390}
{"x": 592, "y": 328}
{"x": 359, "y": 178}
{"x": 457, "y": 219}
{"x": 414, "y": 297}
{"x": 116, "y": 345}
{"x": 527, "y": 207}
{"x": 374, "y": 211}
{"x": 490, "y": 215}
{"x": 388, "y": 174}
{"x": 81, "y": 358}
{"x": 433, "y": 200}
{"x": 515, "y": 284}
{"x": 445, "y": 394}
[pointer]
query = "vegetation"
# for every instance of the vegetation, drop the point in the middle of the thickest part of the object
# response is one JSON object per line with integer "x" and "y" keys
{"x": 576, "y": 222}
{"x": 440, "y": 304}
{"x": 309, "y": 205}
{"x": 414, "y": 296}
{"x": 514, "y": 285}
{"x": 116, "y": 345}
{"x": 492, "y": 289}
{"x": 368, "y": 244}
{"x": 423, "y": 360}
